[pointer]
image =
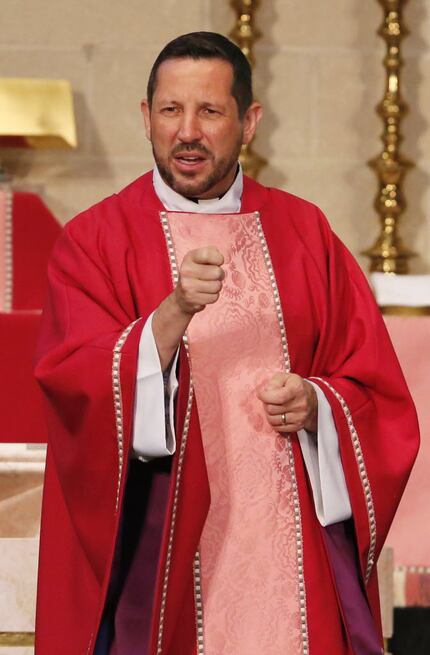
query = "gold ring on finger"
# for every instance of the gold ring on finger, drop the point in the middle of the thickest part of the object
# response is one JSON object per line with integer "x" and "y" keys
{"x": 284, "y": 419}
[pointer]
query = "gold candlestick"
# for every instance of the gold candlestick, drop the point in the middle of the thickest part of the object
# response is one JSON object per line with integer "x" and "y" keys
{"x": 245, "y": 34}
{"x": 388, "y": 254}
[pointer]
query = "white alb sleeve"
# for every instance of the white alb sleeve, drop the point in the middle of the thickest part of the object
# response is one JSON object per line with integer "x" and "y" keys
{"x": 324, "y": 466}
{"x": 153, "y": 434}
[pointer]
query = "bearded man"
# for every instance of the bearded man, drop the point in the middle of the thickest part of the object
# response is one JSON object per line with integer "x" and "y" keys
{"x": 230, "y": 432}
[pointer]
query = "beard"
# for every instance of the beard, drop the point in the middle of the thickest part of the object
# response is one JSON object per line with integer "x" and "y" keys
{"x": 197, "y": 188}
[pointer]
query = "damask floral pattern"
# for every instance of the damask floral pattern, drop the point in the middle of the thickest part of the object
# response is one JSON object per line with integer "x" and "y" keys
{"x": 248, "y": 553}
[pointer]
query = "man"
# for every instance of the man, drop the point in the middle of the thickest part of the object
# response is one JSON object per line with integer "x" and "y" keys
{"x": 291, "y": 429}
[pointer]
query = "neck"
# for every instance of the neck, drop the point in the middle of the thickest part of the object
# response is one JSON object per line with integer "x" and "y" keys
{"x": 228, "y": 203}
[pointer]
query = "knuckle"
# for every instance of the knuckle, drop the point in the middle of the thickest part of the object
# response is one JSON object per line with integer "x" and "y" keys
{"x": 186, "y": 270}
{"x": 186, "y": 285}
{"x": 190, "y": 257}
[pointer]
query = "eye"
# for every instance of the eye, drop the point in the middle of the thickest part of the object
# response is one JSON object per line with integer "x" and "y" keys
{"x": 210, "y": 111}
{"x": 170, "y": 109}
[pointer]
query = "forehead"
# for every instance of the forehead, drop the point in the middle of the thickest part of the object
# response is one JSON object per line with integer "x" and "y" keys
{"x": 201, "y": 79}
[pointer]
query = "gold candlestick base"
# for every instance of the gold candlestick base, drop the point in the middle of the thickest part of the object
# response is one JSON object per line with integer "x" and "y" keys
{"x": 389, "y": 257}
{"x": 388, "y": 254}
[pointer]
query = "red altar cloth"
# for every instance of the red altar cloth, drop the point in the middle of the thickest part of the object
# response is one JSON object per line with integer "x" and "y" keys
{"x": 28, "y": 231}
{"x": 409, "y": 535}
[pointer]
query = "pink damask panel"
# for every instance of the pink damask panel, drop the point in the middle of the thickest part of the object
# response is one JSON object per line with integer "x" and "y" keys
{"x": 249, "y": 547}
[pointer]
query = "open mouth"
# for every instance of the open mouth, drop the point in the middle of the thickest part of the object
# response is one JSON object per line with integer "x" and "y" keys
{"x": 187, "y": 161}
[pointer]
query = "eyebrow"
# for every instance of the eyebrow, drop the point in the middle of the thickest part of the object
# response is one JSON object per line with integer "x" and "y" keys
{"x": 205, "y": 103}
{"x": 212, "y": 104}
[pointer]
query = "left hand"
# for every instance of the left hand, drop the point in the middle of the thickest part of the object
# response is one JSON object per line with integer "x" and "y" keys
{"x": 290, "y": 403}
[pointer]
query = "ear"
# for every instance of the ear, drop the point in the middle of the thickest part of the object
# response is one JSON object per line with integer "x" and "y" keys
{"x": 250, "y": 121}
{"x": 146, "y": 113}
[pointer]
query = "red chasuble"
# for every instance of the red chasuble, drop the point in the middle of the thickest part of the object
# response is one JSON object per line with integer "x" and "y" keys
{"x": 244, "y": 567}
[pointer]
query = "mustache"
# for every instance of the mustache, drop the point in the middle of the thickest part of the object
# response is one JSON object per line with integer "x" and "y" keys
{"x": 194, "y": 146}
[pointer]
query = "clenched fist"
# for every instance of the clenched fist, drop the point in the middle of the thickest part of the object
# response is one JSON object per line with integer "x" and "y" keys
{"x": 290, "y": 403}
{"x": 199, "y": 284}
{"x": 200, "y": 279}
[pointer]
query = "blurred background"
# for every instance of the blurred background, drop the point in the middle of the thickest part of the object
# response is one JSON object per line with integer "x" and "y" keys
{"x": 319, "y": 74}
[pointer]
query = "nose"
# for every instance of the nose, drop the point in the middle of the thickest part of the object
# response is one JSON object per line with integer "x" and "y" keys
{"x": 189, "y": 127}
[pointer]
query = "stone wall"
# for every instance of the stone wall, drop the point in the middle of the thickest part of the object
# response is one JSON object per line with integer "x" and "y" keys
{"x": 318, "y": 74}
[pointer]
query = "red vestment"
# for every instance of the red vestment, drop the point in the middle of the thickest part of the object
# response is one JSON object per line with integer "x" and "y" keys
{"x": 109, "y": 271}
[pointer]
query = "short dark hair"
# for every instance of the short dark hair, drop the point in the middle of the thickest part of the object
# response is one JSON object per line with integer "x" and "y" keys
{"x": 208, "y": 45}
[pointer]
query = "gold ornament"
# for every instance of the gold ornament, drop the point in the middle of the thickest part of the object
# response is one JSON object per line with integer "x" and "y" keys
{"x": 388, "y": 254}
{"x": 245, "y": 34}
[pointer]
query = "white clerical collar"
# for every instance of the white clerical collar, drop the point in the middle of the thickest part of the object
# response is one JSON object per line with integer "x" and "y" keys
{"x": 229, "y": 203}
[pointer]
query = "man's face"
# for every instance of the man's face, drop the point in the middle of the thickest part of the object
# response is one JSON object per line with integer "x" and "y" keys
{"x": 194, "y": 126}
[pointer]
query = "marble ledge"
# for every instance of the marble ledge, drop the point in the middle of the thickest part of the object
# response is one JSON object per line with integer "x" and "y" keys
{"x": 18, "y": 576}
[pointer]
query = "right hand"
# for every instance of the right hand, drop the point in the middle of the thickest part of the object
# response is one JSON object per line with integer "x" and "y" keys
{"x": 200, "y": 279}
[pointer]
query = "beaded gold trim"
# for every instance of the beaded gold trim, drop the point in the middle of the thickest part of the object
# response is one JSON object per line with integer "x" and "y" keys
{"x": 117, "y": 399}
{"x": 199, "y": 605}
{"x": 8, "y": 252}
{"x": 363, "y": 476}
{"x": 296, "y": 499}
{"x": 174, "y": 269}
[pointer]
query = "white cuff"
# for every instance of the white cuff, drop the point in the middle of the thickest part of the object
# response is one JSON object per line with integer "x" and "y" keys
{"x": 150, "y": 437}
{"x": 324, "y": 466}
